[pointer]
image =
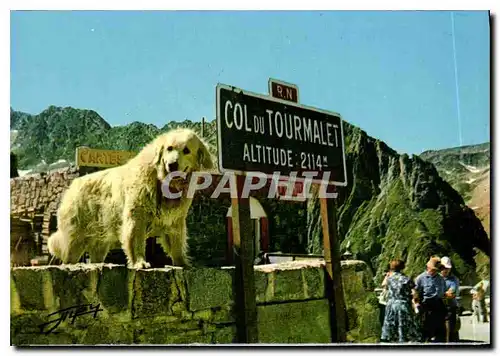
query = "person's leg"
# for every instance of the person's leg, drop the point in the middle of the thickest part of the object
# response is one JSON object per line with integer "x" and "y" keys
{"x": 401, "y": 324}
{"x": 483, "y": 312}
{"x": 475, "y": 310}
{"x": 448, "y": 330}
{"x": 388, "y": 325}
{"x": 452, "y": 324}
{"x": 431, "y": 322}
{"x": 440, "y": 316}
{"x": 425, "y": 316}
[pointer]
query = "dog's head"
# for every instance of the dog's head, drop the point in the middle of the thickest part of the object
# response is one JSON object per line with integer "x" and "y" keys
{"x": 180, "y": 150}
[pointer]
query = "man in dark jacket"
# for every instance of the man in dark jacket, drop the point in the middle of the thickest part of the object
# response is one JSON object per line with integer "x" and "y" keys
{"x": 431, "y": 287}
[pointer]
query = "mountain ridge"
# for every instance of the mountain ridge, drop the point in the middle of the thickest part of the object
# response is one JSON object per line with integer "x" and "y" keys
{"x": 395, "y": 205}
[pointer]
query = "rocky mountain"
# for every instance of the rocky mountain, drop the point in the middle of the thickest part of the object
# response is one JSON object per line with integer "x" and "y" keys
{"x": 467, "y": 169}
{"x": 56, "y": 132}
{"x": 394, "y": 206}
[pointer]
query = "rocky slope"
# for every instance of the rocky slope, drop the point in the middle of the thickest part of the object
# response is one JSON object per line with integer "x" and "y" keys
{"x": 393, "y": 207}
{"x": 56, "y": 132}
{"x": 467, "y": 169}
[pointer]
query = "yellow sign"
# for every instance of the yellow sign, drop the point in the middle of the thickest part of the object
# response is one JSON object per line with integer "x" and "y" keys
{"x": 90, "y": 157}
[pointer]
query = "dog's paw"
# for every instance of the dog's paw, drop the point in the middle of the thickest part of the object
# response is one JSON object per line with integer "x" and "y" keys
{"x": 140, "y": 264}
{"x": 183, "y": 261}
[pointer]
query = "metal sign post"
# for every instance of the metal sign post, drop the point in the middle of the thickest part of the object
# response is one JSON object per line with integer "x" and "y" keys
{"x": 334, "y": 288}
{"x": 244, "y": 280}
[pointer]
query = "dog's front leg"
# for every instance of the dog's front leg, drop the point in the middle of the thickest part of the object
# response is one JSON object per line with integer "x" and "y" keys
{"x": 133, "y": 238}
{"x": 177, "y": 236}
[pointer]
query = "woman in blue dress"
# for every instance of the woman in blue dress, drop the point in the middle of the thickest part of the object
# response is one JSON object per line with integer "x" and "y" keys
{"x": 400, "y": 323}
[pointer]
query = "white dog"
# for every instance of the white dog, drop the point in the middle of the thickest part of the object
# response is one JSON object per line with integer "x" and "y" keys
{"x": 124, "y": 205}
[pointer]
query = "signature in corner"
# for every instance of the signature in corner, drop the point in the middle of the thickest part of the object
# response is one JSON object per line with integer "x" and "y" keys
{"x": 70, "y": 313}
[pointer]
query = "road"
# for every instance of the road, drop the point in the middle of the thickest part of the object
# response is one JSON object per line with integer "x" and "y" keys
{"x": 472, "y": 330}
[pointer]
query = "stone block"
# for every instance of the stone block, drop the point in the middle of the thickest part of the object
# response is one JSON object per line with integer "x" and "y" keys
{"x": 352, "y": 318}
{"x": 298, "y": 280}
{"x": 295, "y": 322}
{"x": 114, "y": 287}
{"x": 223, "y": 315}
{"x": 31, "y": 285}
{"x": 205, "y": 315}
{"x": 288, "y": 285}
{"x": 370, "y": 327}
{"x": 261, "y": 286}
{"x": 15, "y": 302}
{"x": 74, "y": 285}
{"x": 355, "y": 265}
{"x": 189, "y": 338}
{"x": 209, "y": 287}
{"x": 352, "y": 283}
{"x": 24, "y": 331}
{"x": 179, "y": 307}
{"x": 314, "y": 283}
{"x": 108, "y": 332}
{"x": 161, "y": 332}
{"x": 155, "y": 292}
{"x": 225, "y": 335}
{"x": 180, "y": 283}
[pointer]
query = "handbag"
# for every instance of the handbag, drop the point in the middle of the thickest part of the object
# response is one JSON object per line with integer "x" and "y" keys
{"x": 382, "y": 299}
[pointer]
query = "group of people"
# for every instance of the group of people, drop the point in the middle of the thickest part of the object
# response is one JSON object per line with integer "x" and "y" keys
{"x": 424, "y": 310}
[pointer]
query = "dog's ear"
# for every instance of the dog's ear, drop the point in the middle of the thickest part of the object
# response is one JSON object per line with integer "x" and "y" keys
{"x": 157, "y": 160}
{"x": 158, "y": 153}
{"x": 204, "y": 157}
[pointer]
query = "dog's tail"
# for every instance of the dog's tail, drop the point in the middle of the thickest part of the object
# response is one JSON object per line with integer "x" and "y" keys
{"x": 54, "y": 244}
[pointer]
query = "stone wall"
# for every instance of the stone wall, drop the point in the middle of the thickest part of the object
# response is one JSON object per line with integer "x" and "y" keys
{"x": 34, "y": 200}
{"x": 363, "y": 313}
{"x": 185, "y": 306}
{"x": 40, "y": 191}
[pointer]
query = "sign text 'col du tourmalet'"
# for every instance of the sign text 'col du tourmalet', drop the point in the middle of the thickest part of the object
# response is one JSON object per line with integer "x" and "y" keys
{"x": 257, "y": 133}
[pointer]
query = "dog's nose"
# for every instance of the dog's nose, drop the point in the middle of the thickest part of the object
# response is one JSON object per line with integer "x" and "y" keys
{"x": 172, "y": 167}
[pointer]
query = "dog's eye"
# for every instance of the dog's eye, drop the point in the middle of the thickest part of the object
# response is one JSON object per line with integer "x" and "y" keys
{"x": 169, "y": 148}
{"x": 186, "y": 151}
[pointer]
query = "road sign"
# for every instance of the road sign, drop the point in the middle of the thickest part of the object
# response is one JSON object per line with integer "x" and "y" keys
{"x": 283, "y": 90}
{"x": 257, "y": 133}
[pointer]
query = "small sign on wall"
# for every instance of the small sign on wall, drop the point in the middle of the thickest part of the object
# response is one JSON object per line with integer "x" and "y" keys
{"x": 90, "y": 157}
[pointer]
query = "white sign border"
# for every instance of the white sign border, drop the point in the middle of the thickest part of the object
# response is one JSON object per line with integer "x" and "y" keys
{"x": 279, "y": 101}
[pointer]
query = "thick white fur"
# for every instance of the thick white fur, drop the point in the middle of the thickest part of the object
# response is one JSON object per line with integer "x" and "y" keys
{"x": 124, "y": 205}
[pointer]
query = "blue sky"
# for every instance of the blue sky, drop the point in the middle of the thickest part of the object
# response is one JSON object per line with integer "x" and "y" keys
{"x": 390, "y": 73}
